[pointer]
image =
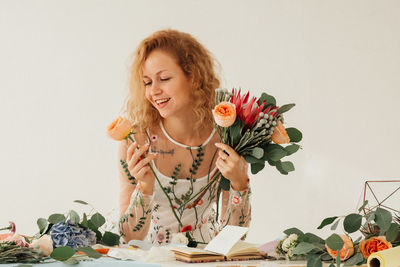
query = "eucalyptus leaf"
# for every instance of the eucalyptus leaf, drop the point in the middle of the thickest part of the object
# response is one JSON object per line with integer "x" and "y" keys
{"x": 335, "y": 225}
{"x": 269, "y": 100}
{"x": 326, "y": 222}
{"x": 314, "y": 261}
{"x": 110, "y": 239}
{"x": 42, "y": 224}
{"x": 97, "y": 219}
{"x": 293, "y": 230}
{"x": 312, "y": 238}
{"x": 56, "y": 218}
{"x": 90, "y": 252}
{"x": 392, "y": 232}
{"x": 81, "y": 202}
{"x": 279, "y": 168}
{"x": 74, "y": 217}
{"x": 62, "y": 253}
{"x": 363, "y": 206}
{"x": 275, "y": 153}
{"x": 303, "y": 248}
{"x": 354, "y": 260}
{"x": 286, "y": 108}
{"x": 84, "y": 222}
{"x": 287, "y": 166}
{"x": 352, "y": 222}
{"x": 290, "y": 149}
{"x": 257, "y": 152}
{"x": 383, "y": 218}
{"x": 334, "y": 242}
{"x": 370, "y": 216}
{"x": 251, "y": 159}
{"x": 256, "y": 167}
{"x": 294, "y": 135}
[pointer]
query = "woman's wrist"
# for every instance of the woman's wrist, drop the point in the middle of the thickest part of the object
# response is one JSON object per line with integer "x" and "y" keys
{"x": 146, "y": 189}
{"x": 240, "y": 185}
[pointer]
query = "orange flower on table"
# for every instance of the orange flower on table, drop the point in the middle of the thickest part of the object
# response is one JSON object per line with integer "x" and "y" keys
{"x": 280, "y": 135}
{"x": 224, "y": 114}
{"x": 347, "y": 250}
{"x": 374, "y": 244}
{"x": 119, "y": 129}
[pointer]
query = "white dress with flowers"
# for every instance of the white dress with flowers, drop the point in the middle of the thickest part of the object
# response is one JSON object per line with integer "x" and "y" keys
{"x": 183, "y": 171}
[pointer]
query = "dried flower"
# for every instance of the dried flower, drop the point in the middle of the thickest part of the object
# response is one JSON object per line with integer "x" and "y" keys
{"x": 44, "y": 243}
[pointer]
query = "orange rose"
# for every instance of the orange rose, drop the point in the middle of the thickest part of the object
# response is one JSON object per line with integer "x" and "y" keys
{"x": 224, "y": 114}
{"x": 347, "y": 250}
{"x": 374, "y": 244}
{"x": 45, "y": 244}
{"x": 280, "y": 135}
{"x": 119, "y": 128}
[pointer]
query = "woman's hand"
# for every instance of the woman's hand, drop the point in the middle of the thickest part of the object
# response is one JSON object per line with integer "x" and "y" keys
{"x": 232, "y": 166}
{"x": 139, "y": 168}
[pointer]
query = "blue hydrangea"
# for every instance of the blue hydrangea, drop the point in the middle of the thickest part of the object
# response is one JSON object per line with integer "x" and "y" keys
{"x": 71, "y": 235}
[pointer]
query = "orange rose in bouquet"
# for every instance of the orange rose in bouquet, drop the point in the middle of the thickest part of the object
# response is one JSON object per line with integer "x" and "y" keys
{"x": 280, "y": 135}
{"x": 119, "y": 129}
{"x": 346, "y": 251}
{"x": 224, "y": 114}
{"x": 374, "y": 244}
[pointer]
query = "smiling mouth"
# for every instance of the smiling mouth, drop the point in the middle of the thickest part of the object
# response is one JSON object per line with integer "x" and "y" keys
{"x": 160, "y": 102}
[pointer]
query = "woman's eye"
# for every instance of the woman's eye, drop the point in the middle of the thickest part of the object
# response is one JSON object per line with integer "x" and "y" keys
{"x": 147, "y": 83}
{"x": 165, "y": 79}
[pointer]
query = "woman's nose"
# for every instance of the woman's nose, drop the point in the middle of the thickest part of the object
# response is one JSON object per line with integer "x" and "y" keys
{"x": 155, "y": 88}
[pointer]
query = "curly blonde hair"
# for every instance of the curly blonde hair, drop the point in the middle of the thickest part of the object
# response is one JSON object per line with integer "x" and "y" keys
{"x": 196, "y": 62}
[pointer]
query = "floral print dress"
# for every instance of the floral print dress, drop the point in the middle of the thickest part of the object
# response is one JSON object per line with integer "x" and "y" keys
{"x": 183, "y": 171}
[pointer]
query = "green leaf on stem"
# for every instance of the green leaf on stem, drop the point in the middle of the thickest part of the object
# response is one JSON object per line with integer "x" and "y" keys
{"x": 293, "y": 230}
{"x": 235, "y": 132}
{"x": 314, "y": 261}
{"x": 354, "y": 260}
{"x": 311, "y": 238}
{"x": 352, "y": 222}
{"x": 74, "y": 217}
{"x": 84, "y": 222}
{"x": 326, "y": 222}
{"x": 286, "y": 108}
{"x": 251, "y": 159}
{"x": 110, "y": 239}
{"x": 62, "y": 253}
{"x": 392, "y": 232}
{"x": 278, "y": 166}
{"x": 334, "y": 242}
{"x": 303, "y": 248}
{"x": 294, "y": 135}
{"x": 335, "y": 225}
{"x": 287, "y": 166}
{"x": 269, "y": 100}
{"x": 90, "y": 252}
{"x": 97, "y": 219}
{"x": 383, "y": 218}
{"x": 274, "y": 152}
{"x": 256, "y": 167}
{"x": 363, "y": 206}
{"x": 290, "y": 149}
{"x": 42, "y": 224}
{"x": 56, "y": 218}
{"x": 81, "y": 202}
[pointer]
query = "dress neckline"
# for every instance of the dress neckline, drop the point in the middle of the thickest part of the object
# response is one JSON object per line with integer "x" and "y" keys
{"x": 183, "y": 145}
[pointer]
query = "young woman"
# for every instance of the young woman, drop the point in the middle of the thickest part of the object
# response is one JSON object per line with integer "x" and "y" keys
{"x": 170, "y": 102}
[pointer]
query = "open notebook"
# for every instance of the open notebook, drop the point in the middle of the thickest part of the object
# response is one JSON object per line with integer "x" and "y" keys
{"x": 225, "y": 246}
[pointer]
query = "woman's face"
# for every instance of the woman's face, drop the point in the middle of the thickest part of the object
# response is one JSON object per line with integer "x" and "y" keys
{"x": 167, "y": 87}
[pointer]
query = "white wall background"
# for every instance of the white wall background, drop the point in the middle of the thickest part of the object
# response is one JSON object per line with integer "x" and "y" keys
{"x": 63, "y": 78}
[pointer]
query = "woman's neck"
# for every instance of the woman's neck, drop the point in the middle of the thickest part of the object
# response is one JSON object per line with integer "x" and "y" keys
{"x": 182, "y": 130}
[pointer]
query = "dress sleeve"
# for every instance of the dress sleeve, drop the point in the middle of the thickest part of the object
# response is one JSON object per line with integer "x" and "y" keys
{"x": 236, "y": 208}
{"x": 135, "y": 207}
